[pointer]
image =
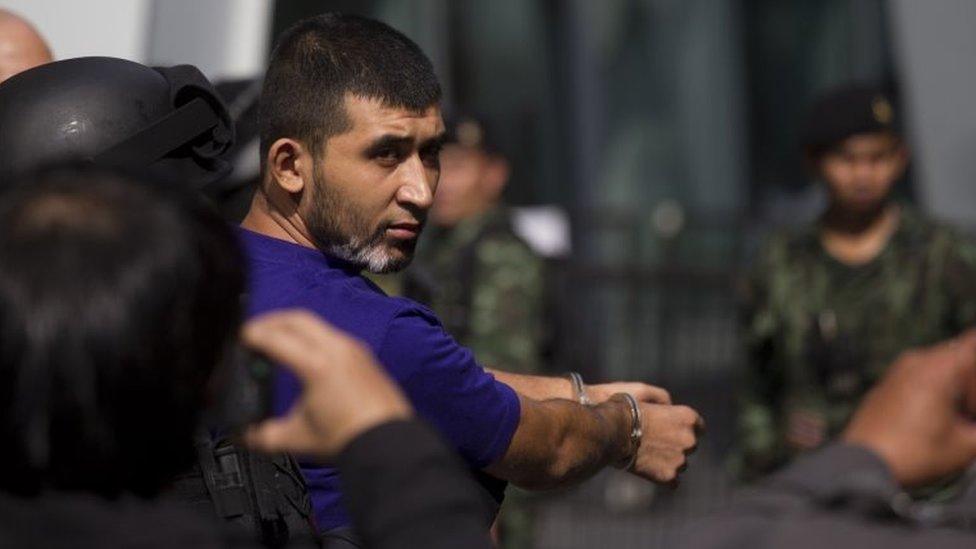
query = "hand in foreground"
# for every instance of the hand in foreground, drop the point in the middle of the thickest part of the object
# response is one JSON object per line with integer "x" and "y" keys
{"x": 670, "y": 436}
{"x": 345, "y": 392}
{"x": 919, "y": 418}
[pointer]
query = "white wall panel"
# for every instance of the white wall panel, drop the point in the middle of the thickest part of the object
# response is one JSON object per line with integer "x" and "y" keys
{"x": 224, "y": 38}
{"x": 935, "y": 43}
{"x": 76, "y": 28}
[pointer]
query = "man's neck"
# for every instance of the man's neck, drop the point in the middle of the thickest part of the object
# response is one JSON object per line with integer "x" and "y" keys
{"x": 858, "y": 238}
{"x": 266, "y": 220}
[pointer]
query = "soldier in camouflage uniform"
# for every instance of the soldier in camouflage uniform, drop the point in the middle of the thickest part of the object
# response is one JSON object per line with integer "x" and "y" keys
{"x": 483, "y": 281}
{"x": 831, "y": 304}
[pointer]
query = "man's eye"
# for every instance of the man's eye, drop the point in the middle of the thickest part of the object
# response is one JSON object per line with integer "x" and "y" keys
{"x": 431, "y": 154}
{"x": 387, "y": 156}
{"x": 431, "y": 157}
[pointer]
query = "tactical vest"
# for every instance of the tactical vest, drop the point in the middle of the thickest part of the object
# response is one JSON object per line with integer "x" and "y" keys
{"x": 258, "y": 497}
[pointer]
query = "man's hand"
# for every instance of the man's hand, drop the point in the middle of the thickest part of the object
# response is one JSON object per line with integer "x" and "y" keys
{"x": 919, "y": 418}
{"x": 670, "y": 432}
{"x": 641, "y": 391}
{"x": 345, "y": 391}
{"x": 670, "y": 436}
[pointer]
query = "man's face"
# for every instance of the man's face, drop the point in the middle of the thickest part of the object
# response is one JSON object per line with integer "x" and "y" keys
{"x": 861, "y": 170}
{"x": 459, "y": 191}
{"x": 374, "y": 183}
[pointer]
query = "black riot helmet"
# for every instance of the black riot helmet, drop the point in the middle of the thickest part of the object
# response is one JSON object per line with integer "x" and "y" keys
{"x": 167, "y": 121}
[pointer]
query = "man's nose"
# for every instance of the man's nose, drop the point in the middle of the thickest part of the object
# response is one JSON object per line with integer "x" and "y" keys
{"x": 416, "y": 188}
{"x": 864, "y": 168}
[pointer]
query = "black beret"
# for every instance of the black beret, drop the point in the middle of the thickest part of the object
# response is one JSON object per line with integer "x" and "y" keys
{"x": 471, "y": 129}
{"x": 843, "y": 112}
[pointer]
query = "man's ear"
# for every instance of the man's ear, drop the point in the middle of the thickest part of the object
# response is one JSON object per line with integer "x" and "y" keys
{"x": 289, "y": 165}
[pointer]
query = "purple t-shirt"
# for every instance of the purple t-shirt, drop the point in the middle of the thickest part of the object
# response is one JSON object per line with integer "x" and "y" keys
{"x": 475, "y": 414}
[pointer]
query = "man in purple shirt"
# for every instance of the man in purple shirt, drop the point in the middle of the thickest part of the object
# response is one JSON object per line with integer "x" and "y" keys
{"x": 350, "y": 134}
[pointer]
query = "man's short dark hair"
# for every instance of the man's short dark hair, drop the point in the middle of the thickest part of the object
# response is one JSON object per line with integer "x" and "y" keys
{"x": 117, "y": 300}
{"x": 321, "y": 59}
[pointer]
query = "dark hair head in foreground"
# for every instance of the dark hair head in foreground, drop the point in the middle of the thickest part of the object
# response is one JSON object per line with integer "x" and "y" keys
{"x": 321, "y": 59}
{"x": 117, "y": 300}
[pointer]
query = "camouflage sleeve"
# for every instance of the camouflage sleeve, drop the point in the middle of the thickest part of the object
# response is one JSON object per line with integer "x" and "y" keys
{"x": 505, "y": 329}
{"x": 757, "y": 439}
{"x": 960, "y": 280}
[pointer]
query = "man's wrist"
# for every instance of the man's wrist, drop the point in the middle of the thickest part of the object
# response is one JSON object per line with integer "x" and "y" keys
{"x": 616, "y": 415}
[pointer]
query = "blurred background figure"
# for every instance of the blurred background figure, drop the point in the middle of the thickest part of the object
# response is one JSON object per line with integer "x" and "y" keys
{"x": 481, "y": 279}
{"x": 832, "y": 303}
{"x": 21, "y": 47}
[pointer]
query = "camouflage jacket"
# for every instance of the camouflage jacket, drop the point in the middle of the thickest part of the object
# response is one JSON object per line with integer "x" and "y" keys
{"x": 820, "y": 332}
{"x": 486, "y": 286}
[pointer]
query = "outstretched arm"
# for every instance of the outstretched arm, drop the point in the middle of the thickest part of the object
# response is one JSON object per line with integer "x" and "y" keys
{"x": 546, "y": 388}
{"x": 559, "y": 442}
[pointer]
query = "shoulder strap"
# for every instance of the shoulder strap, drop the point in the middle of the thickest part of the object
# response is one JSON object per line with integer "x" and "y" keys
{"x": 223, "y": 477}
{"x": 266, "y": 495}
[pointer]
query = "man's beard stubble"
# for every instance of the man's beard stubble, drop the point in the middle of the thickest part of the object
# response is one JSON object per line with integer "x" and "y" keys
{"x": 337, "y": 231}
